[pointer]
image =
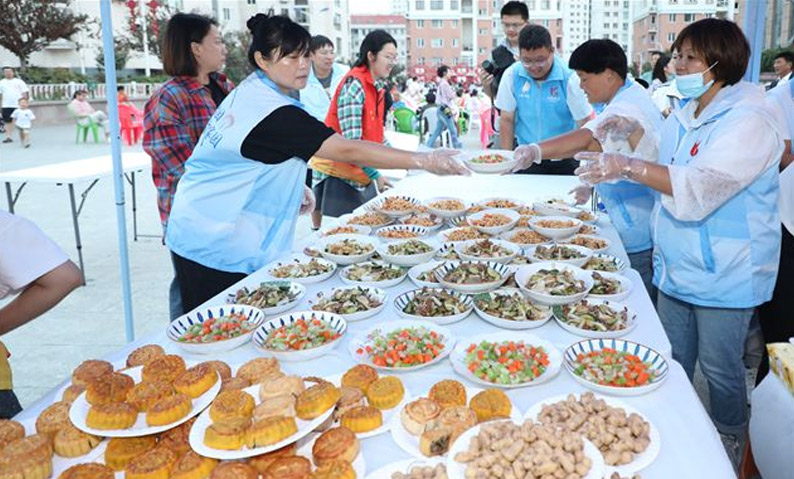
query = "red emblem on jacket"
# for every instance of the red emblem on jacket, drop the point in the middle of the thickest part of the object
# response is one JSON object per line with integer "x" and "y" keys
{"x": 694, "y": 150}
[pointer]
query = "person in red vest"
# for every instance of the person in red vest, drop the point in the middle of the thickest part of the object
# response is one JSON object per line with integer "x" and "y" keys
{"x": 356, "y": 112}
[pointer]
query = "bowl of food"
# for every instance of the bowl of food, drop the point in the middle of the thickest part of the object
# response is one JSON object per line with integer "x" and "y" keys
{"x": 595, "y": 318}
{"x": 497, "y": 202}
{"x": 596, "y": 244}
{"x": 605, "y": 262}
{"x": 556, "y": 207}
{"x": 402, "y": 345}
{"x": 272, "y": 297}
{"x": 373, "y": 273}
{"x": 463, "y": 233}
{"x": 447, "y": 252}
{"x": 347, "y": 249}
{"x": 446, "y": 206}
{"x": 302, "y": 269}
{"x": 553, "y": 283}
{"x": 587, "y": 217}
{"x": 353, "y": 303}
{"x": 400, "y": 232}
{"x": 555, "y": 227}
{"x": 524, "y": 237}
{"x": 437, "y": 305}
{"x": 611, "y": 286}
{"x": 395, "y": 206}
{"x": 472, "y": 277}
{"x": 372, "y": 219}
{"x": 489, "y": 162}
{"x": 424, "y": 274}
{"x": 587, "y": 229}
{"x": 508, "y": 308}
{"x": 494, "y": 221}
{"x": 300, "y": 336}
{"x": 408, "y": 252}
{"x": 215, "y": 329}
{"x": 425, "y": 220}
{"x": 564, "y": 253}
{"x": 346, "y": 230}
{"x": 487, "y": 250}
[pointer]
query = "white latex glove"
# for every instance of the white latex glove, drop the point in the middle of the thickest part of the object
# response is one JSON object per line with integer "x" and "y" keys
{"x": 308, "y": 202}
{"x": 616, "y": 127}
{"x": 581, "y": 194}
{"x": 441, "y": 162}
{"x": 383, "y": 184}
{"x": 527, "y": 155}
{"x": 608, "y": 167}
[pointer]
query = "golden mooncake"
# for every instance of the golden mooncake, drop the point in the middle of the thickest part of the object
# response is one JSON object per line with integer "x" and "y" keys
{"x": 196, "y": 381}
{"x": 362, "y": 419}
{"x": 295, "y": 467}
{"x": 144, "y": 355}
{"x": 117, "y": 415}
{"x": 316, "y": 400}
{"x": 89, "y": 371}
{"x": 417, "y": 414}
{"x": 232, "y": 404}
{"x": 349, "y": 398}
{"x": 282, "y": 385}
{"x": 88, "y": 471}
{"x": 192, "y": 466}
{"x": 27, "y": 458}
{"x": 228, "y": 434}
{"x": 235, "y": 383}
{"x": 112, "y": 387}
{"x": 164, "y": 368}
{"x": 121, "y": 450}
{"x": 283, "y": 405}
{"x": 220, "y": 367}
{"x": 339, "y": 443}
{"x": 360, "y": 377}
{"x": 458, "y": 418}
{"x": 153, "y": 464}
{"x": 262, "y": 461}
{"x": 72, "y": 442}
{"x": 436, "y": 441}
{"x": 169, "y": 410}
{"x": 448, "y": 393}
{"x": 177, "y": 438}
{"x": 335, "y": 470}
{"x": 72, "y": 392}
{"x": 259, "y": 369}
{"x": 270, "y": 431}
{"x": 386, "y": 392}
{"x": 144, "y": 395}
{"x": 53, "y": 418}
{"x": 491, "y": 404}
{"x": 234, "y": 470}
{"x": 10, "y": 431}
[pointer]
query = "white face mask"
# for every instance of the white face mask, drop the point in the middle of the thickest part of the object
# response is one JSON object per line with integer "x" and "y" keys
{"x": 691, "y": 85}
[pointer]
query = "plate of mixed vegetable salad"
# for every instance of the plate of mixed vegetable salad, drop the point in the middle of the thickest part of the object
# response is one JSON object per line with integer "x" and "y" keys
{"x": 506, "y": 359}
{"x": 439, "y": 305}
{"x": 300, "y": 336}
{"x": 353, "y": 303}
{"x": 272, "y": 297}
{"x": 373, "y": 273}
{"x": 596, "y": 318}
{"x": 488, "y": 161}
{"x": 508, "y": 308}
{"x": 215, "y": 329}
{"x": 404, "y": 345}
{"x": 616, "y": 366}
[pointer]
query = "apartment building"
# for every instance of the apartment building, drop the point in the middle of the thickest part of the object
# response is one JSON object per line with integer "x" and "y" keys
{"x": 612, "y": 19}
{"x": 395, "y": 25}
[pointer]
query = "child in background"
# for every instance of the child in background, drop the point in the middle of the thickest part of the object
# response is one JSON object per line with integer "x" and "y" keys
{"x": 23, "y": 119}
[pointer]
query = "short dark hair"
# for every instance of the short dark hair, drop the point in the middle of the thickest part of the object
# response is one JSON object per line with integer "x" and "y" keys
{"x": 79, "y": 92}
{"x": 119, "y": 89}
{"x": 373, "y": 43}
{"x": 8, "y": 68}
{"x": 272, "y": 33}
{"x": 785, "y": 55}
{"x": 442, "y": 71}
{"x": 658, "y": 69}
{"x": 598, "y": 55}
{"x": 319, "y": 41}
{"x": 718, "y": 41}
{"x": 182, "y": 30}
{"x": 430, "y": 97}
{"x": 515, "y": 8}
{"x": 533, "y": 37}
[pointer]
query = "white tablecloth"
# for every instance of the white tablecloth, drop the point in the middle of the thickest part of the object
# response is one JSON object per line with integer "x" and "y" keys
{"x": 772, "y": 429}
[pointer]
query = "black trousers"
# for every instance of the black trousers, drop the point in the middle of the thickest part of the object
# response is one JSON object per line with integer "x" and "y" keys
{"x": 198, "y": 283}
{"x": 336, "y": 198}
{"x": 547, "y": 167}
{"x": 9, "y": 404}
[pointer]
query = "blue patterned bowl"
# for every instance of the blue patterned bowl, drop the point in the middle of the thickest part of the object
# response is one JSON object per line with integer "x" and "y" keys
{"x": 334, "y": 321}
{"x": 179, "y": 326}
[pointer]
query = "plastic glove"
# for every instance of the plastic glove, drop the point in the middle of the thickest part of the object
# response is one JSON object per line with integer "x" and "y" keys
{"x": 441, "y": 162}
{"x": 608, "y": 167}
{"x": 616, "y": 127}
{"x": 527, "y": 155}
{"x": 581, "y": 194}
{"x": 308, "y": 202}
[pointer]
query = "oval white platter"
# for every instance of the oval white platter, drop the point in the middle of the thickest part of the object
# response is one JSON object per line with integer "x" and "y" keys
{"x": 296, "y": 289}
{"x": 507, "y": 323}
{"x": 361, "y": 341}
{"x": 378, "y": 293}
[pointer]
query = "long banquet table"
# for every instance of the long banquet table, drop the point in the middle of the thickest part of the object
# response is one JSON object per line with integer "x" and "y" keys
{"x": 690, "y": 445}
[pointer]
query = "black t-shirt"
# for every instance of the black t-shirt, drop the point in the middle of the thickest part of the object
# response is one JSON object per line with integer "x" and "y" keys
{"x": 288, "y": 131}
{"x": 216, "y": 91}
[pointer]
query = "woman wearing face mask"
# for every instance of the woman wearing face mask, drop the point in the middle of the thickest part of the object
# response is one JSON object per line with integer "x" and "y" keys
{"x": 238, "y": 201}
{"x": 716, "y": 227}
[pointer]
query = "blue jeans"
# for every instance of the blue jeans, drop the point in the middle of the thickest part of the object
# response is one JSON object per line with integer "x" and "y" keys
{"x": 715, "y": 337}
{"x": 642, "y": 261}
{"x": 444, "y": 122}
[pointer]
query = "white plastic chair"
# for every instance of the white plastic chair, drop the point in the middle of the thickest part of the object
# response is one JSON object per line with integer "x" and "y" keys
{"x": 428, "y": 122}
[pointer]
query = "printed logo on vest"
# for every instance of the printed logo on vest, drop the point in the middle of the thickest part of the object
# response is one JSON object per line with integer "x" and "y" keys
{"x": 554, "y": 93}
{"x": 694, "y": 150}
{"x": 526, "y": 87}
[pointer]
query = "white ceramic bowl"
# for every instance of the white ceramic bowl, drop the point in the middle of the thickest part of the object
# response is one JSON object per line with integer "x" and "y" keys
{"x": 178, "y": 327}
{"x": 508, "y": 323}
{"x": 468, "y": 158}
{"x": 378, "y": 205}
{"x": 512, "y": 215}
{"x": 625, "y": 287}
{"x": 343, "y": 259}
{"x": 525, "y": 272}
{"x": 504, "y": 273}
{"x": 448, "y": 235}
{"x": 346, "y": 219}
{"x": 418, "y": 231}
{"x": 586, "y": 254}
{"x": 358, "y": 345}
{"x": 512, "y": 234}
{"x": 401, "y": 301}
{"x": 462, "y": 246}
{"x": 442, "y": 213}
{"x": 359, "y": 230}
{"x": 556, "y": 207}
{"x": 375, "y": 293}
{"x": 415, "y": 271}
{"x": 539, "y": 224}
{"x": 335, "y": 321}
{"x": 493, "y": 203}
{"x": 296, "y": 291}
{"x": 587, "y": 216}
{"x": 344, "y": 275}
{"x": 407, "y": 260}
{"x": 447, "y": 252}
{"x": 631, "y": 322}
{"x": 606, "y": 244}
{"x": 438, "y": 221}
{"x": 619, "y": 263}
{"x": 303, "y": 259}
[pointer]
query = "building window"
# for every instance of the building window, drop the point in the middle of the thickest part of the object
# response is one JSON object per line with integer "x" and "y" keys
{"x": 251, "y": 2}
{"x": 672, "y": 18}
{"x": 437, "y": 61}
{"x": 420, "y": 24}
{"x": 454, "y": 61}
{"x": 454, "y": 24}
{"x": 481, "y": 50}
{"x": 482, "y": 31}
{"x": 437, "y": 43}
{"x": 227, "y": 14}
{"x": 671, "y": 37}
{"x": 531, "y": 4}
{"x": 420, "y": 61}
{"x": 454, "y": 4}
{"x": 455, "y": 42}
{"x": 420, "y": 4}
{"x": 689, "y": 17}
{"x": 545, "y": 4}
{"x": 545, "y": 23}
{"x": 438, "y": 23}
{"x": 420, "y": 42}
{"x": 436, "y": 4}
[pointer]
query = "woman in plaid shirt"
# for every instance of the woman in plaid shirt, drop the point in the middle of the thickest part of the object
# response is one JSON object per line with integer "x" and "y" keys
{"x": 175, "y": 116}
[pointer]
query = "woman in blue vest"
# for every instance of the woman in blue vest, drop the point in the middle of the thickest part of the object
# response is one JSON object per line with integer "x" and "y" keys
{"x": 715, "y": 224}
{"x": 237, "y": 203}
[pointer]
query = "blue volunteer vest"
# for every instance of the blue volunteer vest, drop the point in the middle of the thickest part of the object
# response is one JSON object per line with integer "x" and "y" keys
{"x": 231, "y": 213}
{"x": 541, "y": 108}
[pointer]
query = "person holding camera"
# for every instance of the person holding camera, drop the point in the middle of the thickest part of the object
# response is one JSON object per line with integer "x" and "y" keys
{"x": 445, "y": 99}
{"x": 540, "y": 98}
{"x": 514, "y": 17}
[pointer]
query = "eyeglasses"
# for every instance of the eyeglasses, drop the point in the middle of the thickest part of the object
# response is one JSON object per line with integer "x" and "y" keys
{"x": 513, "y": 26}
{"x": 536, "y": 62}
{"x": 390, "y": 58}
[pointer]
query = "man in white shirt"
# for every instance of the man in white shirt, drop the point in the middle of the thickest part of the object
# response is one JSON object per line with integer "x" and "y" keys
{"x": 784, "y": 64}
{"x": 11, "y": 90}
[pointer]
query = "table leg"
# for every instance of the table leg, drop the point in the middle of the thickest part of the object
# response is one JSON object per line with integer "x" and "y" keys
{"x": 134, "y": 209}
{"x": 76, "y": 230}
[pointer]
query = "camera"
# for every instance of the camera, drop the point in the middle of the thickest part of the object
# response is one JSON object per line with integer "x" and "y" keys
{"x": 500, "y": 60}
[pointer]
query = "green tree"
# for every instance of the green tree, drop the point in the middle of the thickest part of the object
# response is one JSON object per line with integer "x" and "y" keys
{"x": 237, "y": 65}
{"x": 122, "y": 48}
{"x": 156, "y": 19}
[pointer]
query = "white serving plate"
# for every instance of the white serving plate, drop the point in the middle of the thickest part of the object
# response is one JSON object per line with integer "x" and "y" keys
{"x": 458, "y": 357}
{"x": 404, "y": 467}
{"x": 640, "y": 461}
{"x": 509, "y": 235}
{"x": 306, "y": 444}
{"x": 461, "y": 246}
{"x": 625, "y": 287}
{"x": 79, "y": 411}
{"x": 657, "y": 361}
{"x": 362, "y": 340}
{"x": 619, "y": 262}
{"x": 386, "y": 414}
{"x": 495, "y": 230}
{"x": 594, "y": 250}
{"x": 336, "y": 321}
{"x": 203, "y": 422}
{"x": 301, "y": 258}
{"x": 503, "y": 271}
{"x": 178, "y": 327}
{"x": 342, "y": 259}
{"x": 578, "y": 262}
{"x": 555, "y": 233}
{"x": 415, "y": 271}
{"x": 445, "y": 235}
{"x": 350, "y": 318}
{"x": 419, "y": 231}
{"x": 483, "y": 202}
{"x": 468, "y": 157}
{"x": 401, "y": 301}
{"x": 377, "y": 205}
{"x": 456, "y": 470}
{"x": 556, "y": 207}
{"x": 295, "y": 288}
{"x": 408, "y": 260}
{"x": 446, "y": 213}
{"x": 360, "y": 230}
{"x": 375, "y": 284}
{"x": 438, "y": 221}
{"x": 525, "y": 272}
{"x": 632, "y": 321}
{"x": 345, "y": 220}
{"x": 506, "y": 323}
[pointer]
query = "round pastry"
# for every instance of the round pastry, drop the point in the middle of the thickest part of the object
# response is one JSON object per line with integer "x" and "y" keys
{"x": 295, "y": 467}
{"x": 72, "y": 442}
{"x": 362, "y": 419}
{"x": 417, "y": 414}
{"x": 153, "y": 464}
{"x": 112, "y": 387}
{"x": 235, "y": 383}
{"x": 144, "y": 395}
{"x": 335, "y": 470}
{"x": 144, "y": 355}
{"x": 259, "y": 369}
{"x": 178, "y": 438}
{"x": 316, "y": 400}
{"x": 89, "y": 371}
{"x": 72, "y": 392}
{"x": 262, "y": 461}
{"x": 220, "y": 367}
{"x": 448, "y": 393}
{"x": 234, "y": 470}
{"x": 283, "y": 385}
{"x": 339, "y": 443}
{"x": 386, "y": 392}
{"x": 270, "y": 431}
{"x": 10, "y": 431}
{"x": 232, "y": 404}
{"x": 169, "y": 410}
{"x": 436, "y": 441}
{"x": 192, "y": 466}
{"x": 121, "y": 450}
{"x": 459, "y": 418}
{"x": 491, "y": 404}
{"x": 27, "y": 458}
{"x": 359, "y": 377}
{"x": 115, "y": 415}
{"x": 349, "y": 398}
{"x": 88, "y": 471}
{"x": 53, "y": 418}
{"x": 164, "y": 368}
{"x": 283, "y": 405}
{"x": 27, "y": 469}
{"x": 228, "y": 435}
{"x": 196, "y": 381}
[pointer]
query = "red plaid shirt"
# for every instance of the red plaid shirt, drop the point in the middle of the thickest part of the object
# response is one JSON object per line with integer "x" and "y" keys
{"x": 173, "y": 120}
